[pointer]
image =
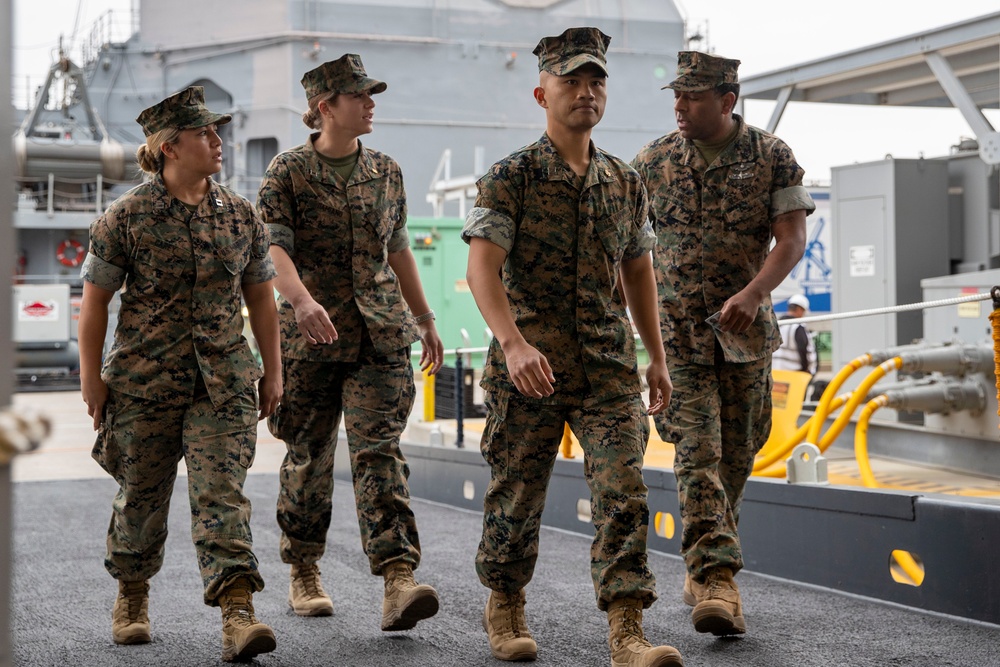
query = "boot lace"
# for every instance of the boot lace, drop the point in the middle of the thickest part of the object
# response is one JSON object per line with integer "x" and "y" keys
{"x": 238, "y": 609}
{"x": 403, "y": 578}
{"x": 134, "y": 594}
{"x": 511, "y": 614}
{"x": 632, "y": 626}
{"x": 718, "y": 586}
{"x": 308, "y": 577}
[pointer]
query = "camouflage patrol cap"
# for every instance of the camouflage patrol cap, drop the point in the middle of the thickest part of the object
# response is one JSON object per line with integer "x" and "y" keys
{"x": 181, "y": 110}
{"x": 572, "y": 50}
{"x": 346, "y": 74}
{"x": 698, "y": 71}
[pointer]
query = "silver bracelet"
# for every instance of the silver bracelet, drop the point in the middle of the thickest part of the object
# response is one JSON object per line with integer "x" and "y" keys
{"x": 429, "y": 315}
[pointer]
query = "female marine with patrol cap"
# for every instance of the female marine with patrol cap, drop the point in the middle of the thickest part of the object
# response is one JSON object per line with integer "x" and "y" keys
{"x": 348, "y": 282}
{"x": 179, "y": 380}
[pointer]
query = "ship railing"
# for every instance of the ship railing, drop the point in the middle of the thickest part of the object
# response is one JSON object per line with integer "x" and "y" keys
{"x": 62, "y": 194}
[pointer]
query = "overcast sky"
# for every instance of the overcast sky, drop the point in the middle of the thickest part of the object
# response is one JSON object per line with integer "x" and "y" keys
{"x": 764, "y": 34}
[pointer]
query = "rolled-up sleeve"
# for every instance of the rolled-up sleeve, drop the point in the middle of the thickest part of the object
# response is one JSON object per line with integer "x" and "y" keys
{"x": 643, "y": 238}
{"x": 495, "y": 227}
{"x": 496, "y": 210}
{"x": 400, "y": 239}
{"x": 791, "y": 199}
{"x": 282, "y": 236}
{"x": 276, "y": 205}
{"x": 103, "y": 274}
{"x": 260, "y": 267}
{"x": 104, "y": 265}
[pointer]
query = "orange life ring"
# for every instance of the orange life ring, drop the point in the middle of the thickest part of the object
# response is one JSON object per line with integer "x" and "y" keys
{"x": 77, "y": 256}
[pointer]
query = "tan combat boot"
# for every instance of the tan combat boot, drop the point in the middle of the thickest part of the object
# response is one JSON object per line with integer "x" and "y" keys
{"x": 503, "y": 621}
{"x": 243, "y": 636}
{"x": 629, "y": 647}
{"x": 130, "y": 618}
{"x": 306, "y": 596}
{"x": 718, "y": 608}
{"x": 405, "y": 601}
{"x": 690, "y": 599}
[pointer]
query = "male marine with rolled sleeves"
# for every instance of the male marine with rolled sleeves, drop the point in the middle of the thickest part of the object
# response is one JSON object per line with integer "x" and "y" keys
{"x": 720, "y": 191}
{"x": 556, "y": 227}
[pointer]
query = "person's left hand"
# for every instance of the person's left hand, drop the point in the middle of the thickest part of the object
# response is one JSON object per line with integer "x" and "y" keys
{"x": 270, "y": 390}
{"x": 660, "y": 386}
{"x": 431, "y": 347}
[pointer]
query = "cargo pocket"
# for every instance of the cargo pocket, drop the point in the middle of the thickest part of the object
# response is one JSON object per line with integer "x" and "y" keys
{"x": 494, "y": 445}
{"x": 247, "y": 437}
{"x": 105, "y": 450}
{"x": 274, "y": 422}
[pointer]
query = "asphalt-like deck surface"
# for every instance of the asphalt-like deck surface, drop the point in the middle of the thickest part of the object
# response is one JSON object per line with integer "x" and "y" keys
{"x": 62, "y": 599}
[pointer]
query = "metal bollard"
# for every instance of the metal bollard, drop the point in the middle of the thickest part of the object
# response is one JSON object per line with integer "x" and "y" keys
{"x": 459, "y": 400}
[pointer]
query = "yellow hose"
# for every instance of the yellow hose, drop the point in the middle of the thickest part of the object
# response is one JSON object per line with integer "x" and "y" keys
{"x": 995, "y": 321}
{"x": 857, "y": 396}
{"x": 861, "y": 440}
{"x": 824, "y": 409}
{"x": 904, "y": 558}
{"x": 764, "y": 462}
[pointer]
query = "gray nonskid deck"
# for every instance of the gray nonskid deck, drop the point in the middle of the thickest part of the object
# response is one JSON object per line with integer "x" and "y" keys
{"x": 62, "y": 600}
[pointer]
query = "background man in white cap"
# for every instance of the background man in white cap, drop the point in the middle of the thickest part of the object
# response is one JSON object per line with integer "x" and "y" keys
{"x": 797, "y": 351}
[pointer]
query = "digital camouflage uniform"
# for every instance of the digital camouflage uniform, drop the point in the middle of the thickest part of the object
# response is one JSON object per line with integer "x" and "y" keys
{"x": 181, "y": 375}
{"x": 713, "y": 230}
{"x": 339, "y": 236}
{"x": 565, "y": 244}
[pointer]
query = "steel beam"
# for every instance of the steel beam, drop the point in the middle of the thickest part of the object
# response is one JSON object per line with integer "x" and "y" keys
{"x": 6, "y": 346}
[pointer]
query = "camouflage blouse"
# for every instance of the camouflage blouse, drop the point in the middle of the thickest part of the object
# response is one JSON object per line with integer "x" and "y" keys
{"x": 339, "y": 235}
{"x": 713, "y": 232}
{"x": 181, "y": 309}
{"x": 565, "y": 244}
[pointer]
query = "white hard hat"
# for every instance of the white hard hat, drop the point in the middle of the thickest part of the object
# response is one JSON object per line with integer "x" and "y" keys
{"x": 799, "y": 300}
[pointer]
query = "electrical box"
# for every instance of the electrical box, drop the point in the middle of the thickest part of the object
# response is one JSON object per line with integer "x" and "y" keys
{"x": 965, "y": 322}
{"x": 890, "y": 231}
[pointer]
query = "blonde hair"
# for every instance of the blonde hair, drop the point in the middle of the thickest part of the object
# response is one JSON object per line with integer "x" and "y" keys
{"x": 149, "y": 155}
{"x": 312, "y": 117}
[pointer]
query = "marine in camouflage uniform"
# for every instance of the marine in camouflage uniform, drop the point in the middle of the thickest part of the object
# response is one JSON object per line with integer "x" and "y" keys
{"x": 558, "y": 226}
{"x": 179, "y": 381}
{"x": 336, "y": 211}
{"x": 720, "y": 191}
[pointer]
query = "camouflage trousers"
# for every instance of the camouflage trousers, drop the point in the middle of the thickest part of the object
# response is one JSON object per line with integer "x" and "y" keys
{"x": 520, "y": 442}
{"x": 718, "y": 419}
{"x": 375, "y": 396}
{"x": 140, "y": 444}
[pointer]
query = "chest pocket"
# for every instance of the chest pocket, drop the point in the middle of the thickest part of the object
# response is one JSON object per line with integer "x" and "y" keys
{"x": 613, "y": 231}
{"x": 379, "y": 219}
{"x": 677, "y": 210}
{"x": 235, "y": 256}
{"x": 749, "y": 215}
{"x": 161, "y": 266}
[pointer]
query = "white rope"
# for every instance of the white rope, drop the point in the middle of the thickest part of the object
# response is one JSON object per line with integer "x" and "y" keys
{"x": 812, "y": 318}
{"x": 889, "y": 309}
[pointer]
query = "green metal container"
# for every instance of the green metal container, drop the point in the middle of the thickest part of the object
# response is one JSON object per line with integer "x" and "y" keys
{"x": 442, "y": 257}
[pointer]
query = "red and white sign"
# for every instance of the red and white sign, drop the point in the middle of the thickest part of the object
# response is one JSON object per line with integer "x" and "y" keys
{"x": 38, "y": 310}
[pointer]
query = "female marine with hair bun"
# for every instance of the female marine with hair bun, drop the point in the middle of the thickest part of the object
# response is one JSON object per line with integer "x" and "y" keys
{"x": 349, "y": 290}
{"x": 179, "y": 380}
